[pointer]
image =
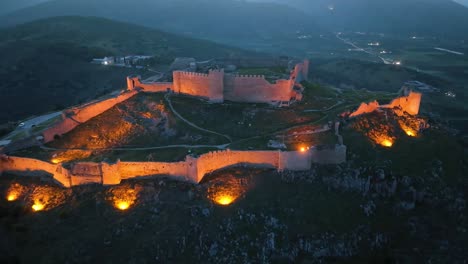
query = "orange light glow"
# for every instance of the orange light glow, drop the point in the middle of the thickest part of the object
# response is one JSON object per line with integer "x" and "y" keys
{"x": 410, "y": 133}
{"x": 122, "y": 205}
{"x": 224, "y": 199}
{"x": 14, "y": 192}
{"x": 12, "y": 197}
{"x": 386, "y": 143}
{"x": 303, "y": 149}
{"x": 45, "y": 198}
{"x": 38, "y": 206}
{"x": 122, "y": 197}
{"x": 55, "y": 161}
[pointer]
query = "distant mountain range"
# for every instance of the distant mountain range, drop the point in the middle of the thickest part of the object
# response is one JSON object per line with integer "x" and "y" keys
{"x": 463, "y": 2}
{"x": 45, "y": 64}
{"x": 8, "y": 6}
{"x": 441, "y": 18}
{"x": 210, "y": 19}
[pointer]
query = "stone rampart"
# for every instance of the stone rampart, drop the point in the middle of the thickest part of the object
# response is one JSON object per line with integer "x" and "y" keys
{"x": 256, "y": 89}
{"x": 128, "y": 170}
{"x": 209, "y": 86}
{"x": 365, "y": 108}
{"x": 301, "y": 71}
{"x": 216, "y": 86}
{"x": 212, "y": 161}
{"x": 409, "y": 104}
{"x": 32, "y": 167}
{"x": 71, "y": 118}
{"x": 192, "y": 169}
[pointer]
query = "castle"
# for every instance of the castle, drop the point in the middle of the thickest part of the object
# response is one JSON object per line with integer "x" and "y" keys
{"x": 217, "y": 86}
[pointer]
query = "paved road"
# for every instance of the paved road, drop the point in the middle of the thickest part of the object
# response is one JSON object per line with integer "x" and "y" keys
{"x": 28, "y": 124}
{"x": 363, "y": 50}
{"x": 40, "y": 119}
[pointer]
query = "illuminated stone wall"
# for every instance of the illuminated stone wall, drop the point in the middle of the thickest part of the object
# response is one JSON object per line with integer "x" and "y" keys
{"x": 216, "y": 86}
{"x": 365, "y": 108}
{"x": 129, "y": 170}
{"x": 73, "y": 117}
{"x": 32, "y": 167}
{"x": 209, "y": 86}
{"x": 192, "y": 169}
{"x": 409, "y": 104}
{"x": 255, "y": 89}
{"x": 155, "y": 87}
{"x": 212, "y": 161}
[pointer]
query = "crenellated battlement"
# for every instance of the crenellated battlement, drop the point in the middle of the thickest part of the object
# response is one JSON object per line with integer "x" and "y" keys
{"x": 191, "y": 74}
{"x": 240, "y": 76}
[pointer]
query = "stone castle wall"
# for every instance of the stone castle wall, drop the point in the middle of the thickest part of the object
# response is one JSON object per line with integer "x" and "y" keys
{"x": 192, "y": 169}
{"x": 365, "y": 108}
{"x": 154, "y": 87}
{"x": 71, "y": 118}
{"x": 220, "y": 159}
{"x": 32, "y": 167}
{"x": 256, "y": 89}
{"x": 409, "y": 104}
{"x": 217, "y": 86}
{"x": 301, "y": 71}
{"x": 209, "y": 86}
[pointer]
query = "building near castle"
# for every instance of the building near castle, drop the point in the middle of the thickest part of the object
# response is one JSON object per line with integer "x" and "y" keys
{"x": 218, "y": 86}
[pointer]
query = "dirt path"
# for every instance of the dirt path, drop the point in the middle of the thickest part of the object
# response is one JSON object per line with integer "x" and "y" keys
{"x": 168, "y": 100}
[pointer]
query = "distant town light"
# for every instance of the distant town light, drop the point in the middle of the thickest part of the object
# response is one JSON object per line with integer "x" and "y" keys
{"x": 450, "y": 94}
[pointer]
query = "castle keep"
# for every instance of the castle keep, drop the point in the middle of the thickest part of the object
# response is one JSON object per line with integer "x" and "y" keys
{"x": 217, "y": 86}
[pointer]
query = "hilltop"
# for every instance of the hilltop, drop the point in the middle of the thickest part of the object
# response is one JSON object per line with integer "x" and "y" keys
{"x": 9, "y": 6}
{"x": 49, "y": 60}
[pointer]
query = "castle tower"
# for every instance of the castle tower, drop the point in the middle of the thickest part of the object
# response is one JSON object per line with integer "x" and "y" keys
{"x": 132, "y": 82}
{"x": 216, "y": 85}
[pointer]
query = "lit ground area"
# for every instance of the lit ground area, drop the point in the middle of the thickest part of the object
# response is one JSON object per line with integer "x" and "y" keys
{"x": 349, "y": 212}
{"x": 384, "y": 140}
